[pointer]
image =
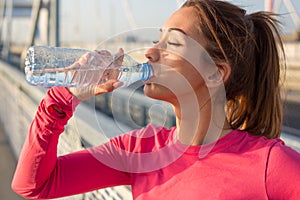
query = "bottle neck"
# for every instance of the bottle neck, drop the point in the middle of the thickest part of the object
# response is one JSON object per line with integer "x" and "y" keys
{"x": 147, "y": 71}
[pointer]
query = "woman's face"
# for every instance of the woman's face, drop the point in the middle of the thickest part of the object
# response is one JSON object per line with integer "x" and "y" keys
{"x": 178, "y": 58}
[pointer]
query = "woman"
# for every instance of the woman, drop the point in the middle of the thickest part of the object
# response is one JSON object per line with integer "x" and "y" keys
{"x": 212, "y": 153}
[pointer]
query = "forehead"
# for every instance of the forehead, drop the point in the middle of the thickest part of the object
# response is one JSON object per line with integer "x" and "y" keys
{"x": 184, "y": 19}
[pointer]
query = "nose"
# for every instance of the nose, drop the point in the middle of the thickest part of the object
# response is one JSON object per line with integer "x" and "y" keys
{"x": 152, "y": 54}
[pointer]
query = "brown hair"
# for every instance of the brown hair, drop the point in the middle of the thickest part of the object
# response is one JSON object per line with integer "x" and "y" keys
{"x": 250, "y": 44}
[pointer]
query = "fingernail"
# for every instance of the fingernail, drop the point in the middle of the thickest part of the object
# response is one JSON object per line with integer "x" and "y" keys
{"x": 117, "y": 84}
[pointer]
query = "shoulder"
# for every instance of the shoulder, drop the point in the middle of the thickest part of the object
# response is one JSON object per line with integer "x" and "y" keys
{"x": 242, "y": 141}
{"x": 283, "y": 172}
{"x": 279, "y": 163}
{"x": 275, "y": 149}
{"x": 284, "y": 156}
{"x": 270, "y": 152}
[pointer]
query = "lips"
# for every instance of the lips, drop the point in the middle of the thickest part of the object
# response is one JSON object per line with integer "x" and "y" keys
{"x": 149, "y": 81}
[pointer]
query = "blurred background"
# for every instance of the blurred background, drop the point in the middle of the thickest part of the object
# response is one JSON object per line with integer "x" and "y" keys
{"x": 102, "y": 24}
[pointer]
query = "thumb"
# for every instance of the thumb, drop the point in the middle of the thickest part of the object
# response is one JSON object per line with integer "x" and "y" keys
{"x": 108, "y": 86}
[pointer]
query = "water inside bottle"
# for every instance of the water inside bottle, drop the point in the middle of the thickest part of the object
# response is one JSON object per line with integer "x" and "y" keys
{"x": 129, "y": 75}
{"x": 49, "y": 77}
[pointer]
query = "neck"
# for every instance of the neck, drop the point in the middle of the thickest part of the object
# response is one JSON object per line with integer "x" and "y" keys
{"x": 202, "y": 127}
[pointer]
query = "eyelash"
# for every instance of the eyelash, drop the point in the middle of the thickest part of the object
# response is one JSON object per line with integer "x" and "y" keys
{"x": 170, "y": 43}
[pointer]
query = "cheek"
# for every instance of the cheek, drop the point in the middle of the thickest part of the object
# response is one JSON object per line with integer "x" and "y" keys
{"x": 186, "y": 62}
{"x": 195, "y": 78}
{"x": 190, "y": 75}
{"x": 174, "y": 77}
{"x": 182, "y": 76}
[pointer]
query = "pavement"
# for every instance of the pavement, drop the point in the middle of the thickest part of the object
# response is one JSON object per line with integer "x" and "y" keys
{"x": 7, "y": 167}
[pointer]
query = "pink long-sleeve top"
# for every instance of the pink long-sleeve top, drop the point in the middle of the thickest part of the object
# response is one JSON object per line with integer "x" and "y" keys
{"x": 153, "y": 162}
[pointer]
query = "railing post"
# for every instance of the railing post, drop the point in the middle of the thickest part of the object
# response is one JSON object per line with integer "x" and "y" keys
{"x": 36, "y": 8}
{"x": 54, "y": 23}
{"x": 6, "y": 45}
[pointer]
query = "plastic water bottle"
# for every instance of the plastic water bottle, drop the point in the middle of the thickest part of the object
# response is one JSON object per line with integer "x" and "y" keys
{"x": 47, "y": 66}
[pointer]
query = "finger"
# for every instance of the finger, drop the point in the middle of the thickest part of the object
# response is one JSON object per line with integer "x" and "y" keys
{"x": 109, "y": 74}
{"x": 121, "y": 51}
{"x": 91, "y": 59}
{"x": 104, "y": 58}
{"x": 83, "y": 60}
{"x": 103, "y": 52}
{"x": 118, "y": 84}
{"x": 118, "y": 58}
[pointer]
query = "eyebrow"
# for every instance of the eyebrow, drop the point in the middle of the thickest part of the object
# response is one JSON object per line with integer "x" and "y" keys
{"x": 174, "y": 29}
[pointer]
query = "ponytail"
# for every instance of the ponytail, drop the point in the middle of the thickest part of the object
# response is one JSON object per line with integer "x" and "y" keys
{"x": 260, "y": 103}
{"x": 251, "y": 45}
{"x": 268, "y": 85}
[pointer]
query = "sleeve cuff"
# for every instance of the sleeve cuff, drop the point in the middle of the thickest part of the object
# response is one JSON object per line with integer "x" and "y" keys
{"x": 63, "y": 100}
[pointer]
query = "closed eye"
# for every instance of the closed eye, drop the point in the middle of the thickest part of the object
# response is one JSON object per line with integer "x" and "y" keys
{"x": 169, "y": 43}
{"x": 175, "y": 44}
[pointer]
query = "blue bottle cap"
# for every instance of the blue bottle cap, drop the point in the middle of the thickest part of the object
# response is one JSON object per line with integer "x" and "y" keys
{"x": 147, "y": 71}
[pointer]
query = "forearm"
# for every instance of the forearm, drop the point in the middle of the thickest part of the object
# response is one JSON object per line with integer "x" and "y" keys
{"x": 39, "y": 154}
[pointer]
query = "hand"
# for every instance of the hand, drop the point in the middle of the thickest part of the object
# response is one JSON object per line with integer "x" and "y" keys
{"x": 101, "y": 79}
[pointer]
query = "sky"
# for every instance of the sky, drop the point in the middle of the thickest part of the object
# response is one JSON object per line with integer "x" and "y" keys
{"x": 97, "y": 20}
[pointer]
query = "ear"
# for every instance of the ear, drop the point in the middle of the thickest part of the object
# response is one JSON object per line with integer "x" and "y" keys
{"x": 225, "y": 70}
{"x": 220, "y": 75}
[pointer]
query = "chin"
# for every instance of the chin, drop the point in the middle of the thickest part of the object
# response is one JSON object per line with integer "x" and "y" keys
{"x": 158, "y": 92}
